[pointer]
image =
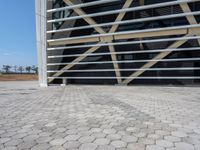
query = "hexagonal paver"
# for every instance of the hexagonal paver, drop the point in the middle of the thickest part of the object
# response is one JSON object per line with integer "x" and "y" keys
{"x": 26, "y": 145}
{"x": 139, "y": 134}
{"x": 146, "y": 141}
{"x": 50, "y": 124}
{"x": 154, "y": 136}
{"x": 102, "y": 141}
{"x": 154, "y": 147}
{"x": 96, "y": 129}
{"x": 179, "y": 134}
{"x": 118, "y": 144}
{"x": 72, "y": 131}
{"x": 86, "y": 139}
{"x": 162, "y": 132}
{"x": 58, "y": 142}
{"x": 13, "y": 142}
{"x": 172, "y": 138}
{"x": 164, "y": 143}
{"x": 98, "y": 135}
{"x": 57, "y": 148}
{"x": 72, "y": 137}
{"x": 114, "y": 136}
{"x": 105, "y": 147}
{"x": 136, "y": 146}
{"x": 109, "y": 131}
{"x": 71, "y": 144}
{"x": 41, "y": 146}
{"x": 131, "y": 129}
{"x": 43, "y": 139}
{"x": 184, "y": 146}
{"x": 88, "y": 146}
{"x": 128, "y": 138}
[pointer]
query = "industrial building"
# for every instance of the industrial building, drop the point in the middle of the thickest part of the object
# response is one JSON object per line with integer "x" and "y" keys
{"x": 125, "y": 42}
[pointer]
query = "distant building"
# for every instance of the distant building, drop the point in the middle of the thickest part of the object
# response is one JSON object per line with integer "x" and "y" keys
{"x": 118, "y": 41}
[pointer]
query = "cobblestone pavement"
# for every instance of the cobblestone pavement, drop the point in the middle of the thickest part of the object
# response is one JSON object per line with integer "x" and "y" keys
{"x": 98, "y": 117}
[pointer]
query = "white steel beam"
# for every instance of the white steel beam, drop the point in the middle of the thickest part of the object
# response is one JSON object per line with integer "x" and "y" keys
{"x": 126, "y": 70}
{"x": 126, "y": 43}
{"x": 129, "y": 52}
{"x": 99, "y": 2}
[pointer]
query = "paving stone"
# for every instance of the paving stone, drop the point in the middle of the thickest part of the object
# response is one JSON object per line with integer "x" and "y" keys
{"x": 118, "y": 144}
{"x": 19, "y": 136}
{"x": 154, "y": 147}
{"x": 102, "y": 141}
{"x": 42, "y": 146}
{"x": 191, "y": 140}
{"x": 85, "y": 133}
{"x": 86, "y": 139}
{"x": 140, "y": 134}
{"x": 131, "y": 129}
{"x": 162, "y": 132}
{"x": 72, "y": 117}
{"x": 43, "y": 139}
{"x": 128, "y": 138}
{"x": 88, "y": 146}
{"x": 146, "y": 141}
{"x": 71, "y": 144}
{"x": 172, "y": 138}
{"x": 96, "y": 129}
{"x": 72, "y": 137}
{"x": 154, "y": 136}
{"x": 179, "y": 134}
{"x": 30, "y": 138}
{"x": 72, "y": 131}
{"x": 98, "y": 135}
{"x": 114, "y": 136}
{"x": 105, "y": 147}
{"x": 26, "y": 145}
{"x": 136, "y": 146}
{"x": 184, "y": 146}
{"x": 13, "y": 142}
{"x": 164, "y": 143}
{"x": 58, "y": 142}
{"x": 83, "y": 128}
{"x": 109, "y": 131}
{"x": 57, "y": 148}
{"x": 50, "y": 124}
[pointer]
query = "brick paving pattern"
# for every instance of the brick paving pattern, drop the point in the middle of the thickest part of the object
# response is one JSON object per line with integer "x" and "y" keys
{"x": 98, "y": 117}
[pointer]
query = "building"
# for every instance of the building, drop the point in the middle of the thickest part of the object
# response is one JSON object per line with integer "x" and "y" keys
{"x": 118, "y": 41}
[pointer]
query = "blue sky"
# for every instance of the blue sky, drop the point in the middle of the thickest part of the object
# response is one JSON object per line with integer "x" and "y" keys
{"x": 17, "y": 33}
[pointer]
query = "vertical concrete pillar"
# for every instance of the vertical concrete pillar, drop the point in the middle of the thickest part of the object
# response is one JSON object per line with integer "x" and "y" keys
{"x": 41, "y": 40}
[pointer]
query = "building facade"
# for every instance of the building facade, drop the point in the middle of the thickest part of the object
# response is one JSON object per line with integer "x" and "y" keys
{"x": 118, "y": 41}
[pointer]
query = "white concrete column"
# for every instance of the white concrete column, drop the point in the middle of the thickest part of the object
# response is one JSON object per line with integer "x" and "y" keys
{"x": 41, "y": 41}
